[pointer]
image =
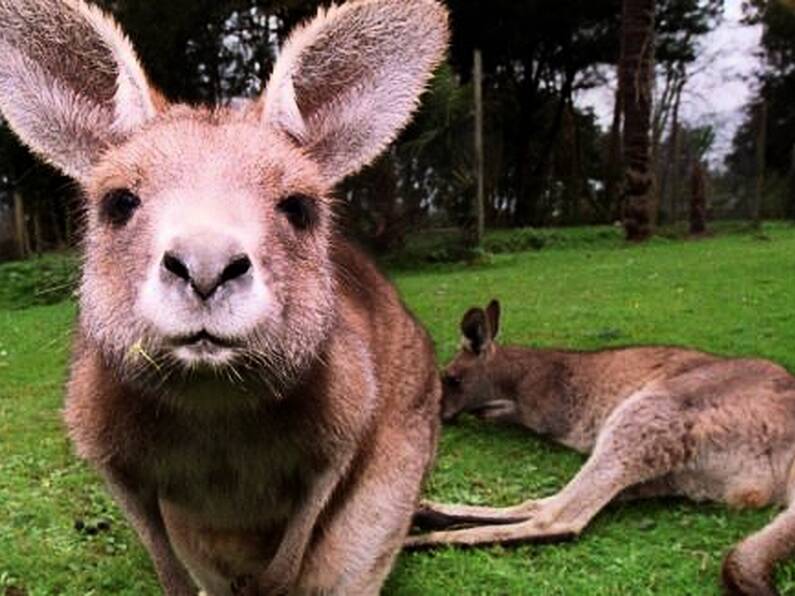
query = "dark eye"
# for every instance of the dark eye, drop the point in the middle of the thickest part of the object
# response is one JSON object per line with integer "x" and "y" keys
{"x": 118, "y": 206}
{"x": 300, "y": 210}
{"x": 451, "y": 381}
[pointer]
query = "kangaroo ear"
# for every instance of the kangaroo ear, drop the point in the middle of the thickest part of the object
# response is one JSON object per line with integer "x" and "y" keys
{"x": 348, "y": 81}
{"x": 474, "y": 327}
{"x": 70, "y": 83}
{"x": 493, "y": 317}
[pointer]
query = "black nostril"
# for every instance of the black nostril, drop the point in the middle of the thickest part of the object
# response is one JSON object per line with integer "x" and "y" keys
{"x": 205, "y": 270}
{"x": 175, "y": 265}
{"x": 237, "y": 268}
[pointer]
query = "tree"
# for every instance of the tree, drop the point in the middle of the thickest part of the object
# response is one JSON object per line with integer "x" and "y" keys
{"x": 678, "y": 24}
{"x": 637, "y": 57}
{"x": 698, "y": 199}
{"x": 678, "y": 27}
{"x": 765, "y": 153}
{"x": 761, "y": 132}
{"x": 480, "y": 211}
{"x": 537, "y": 53}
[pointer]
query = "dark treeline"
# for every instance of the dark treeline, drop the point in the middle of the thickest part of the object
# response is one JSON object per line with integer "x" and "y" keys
{"x": 547, "y": 162}
{"x": 769, "y": 118}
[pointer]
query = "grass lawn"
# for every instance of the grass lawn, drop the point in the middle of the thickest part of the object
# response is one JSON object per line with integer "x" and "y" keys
{"x": 730, "y": 294}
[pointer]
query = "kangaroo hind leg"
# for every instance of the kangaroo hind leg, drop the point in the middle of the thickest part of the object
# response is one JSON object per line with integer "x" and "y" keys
{"x": 644, "y": 439}
{"x": 748, "y": 568}
{"x": 437, "y": 516}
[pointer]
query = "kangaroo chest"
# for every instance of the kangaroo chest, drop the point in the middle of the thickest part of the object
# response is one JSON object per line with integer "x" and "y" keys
{"x": 227, "y": 472}
{"x": 233, "y": 480}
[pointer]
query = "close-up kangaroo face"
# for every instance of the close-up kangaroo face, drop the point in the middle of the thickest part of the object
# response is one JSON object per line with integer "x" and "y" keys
{"x": 209, "y": 233}
{"x": 467, "y": 383}
{"x": 219, "y": 250}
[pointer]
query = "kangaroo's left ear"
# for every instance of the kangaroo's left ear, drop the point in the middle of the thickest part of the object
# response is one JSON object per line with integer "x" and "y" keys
{"x": 347, "y": 82}
{"x": 493, "y": 317}
{"x": 475, "y": 330}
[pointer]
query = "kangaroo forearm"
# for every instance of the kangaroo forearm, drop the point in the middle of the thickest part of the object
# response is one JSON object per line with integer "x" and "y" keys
{"x": 282, "y": 572}
{"x": 142, "y": 511}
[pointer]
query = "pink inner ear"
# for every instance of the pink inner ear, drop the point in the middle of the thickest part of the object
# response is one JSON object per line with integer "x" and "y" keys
{"x": 344, "y": 84}
{"x": 70, "y": 84}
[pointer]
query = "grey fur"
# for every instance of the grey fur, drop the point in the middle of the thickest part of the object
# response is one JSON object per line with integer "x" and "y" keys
{"x": 656, "y": 420}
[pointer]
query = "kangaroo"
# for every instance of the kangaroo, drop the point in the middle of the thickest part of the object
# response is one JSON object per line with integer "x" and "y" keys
{"x": 256, "y": 397}
{"x": 656, "y": 421}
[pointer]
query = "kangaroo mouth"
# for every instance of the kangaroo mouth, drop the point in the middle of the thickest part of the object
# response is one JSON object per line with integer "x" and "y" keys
{"x": 205, "y": 338}
{"x": 205, "y": 350}
{"x": 482, "y": 411}
{"x": 493, "y": 408}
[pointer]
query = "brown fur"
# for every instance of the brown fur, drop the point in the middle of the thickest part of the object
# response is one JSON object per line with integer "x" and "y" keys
{"x": 265, "y": 427}
{"x": 656, "y": 420}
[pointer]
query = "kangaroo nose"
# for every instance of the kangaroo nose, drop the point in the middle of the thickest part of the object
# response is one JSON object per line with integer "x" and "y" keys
{"x": 204, "y": 266}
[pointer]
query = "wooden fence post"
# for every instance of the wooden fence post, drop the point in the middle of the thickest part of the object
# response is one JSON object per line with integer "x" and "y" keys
{"x": 479, "y": 158}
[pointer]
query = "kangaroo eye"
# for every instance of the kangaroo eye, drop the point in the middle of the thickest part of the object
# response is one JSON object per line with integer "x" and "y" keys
{"x": 300, "y": 210}
{"x": 451, "y": 381}
{"x": 117, "y": 206}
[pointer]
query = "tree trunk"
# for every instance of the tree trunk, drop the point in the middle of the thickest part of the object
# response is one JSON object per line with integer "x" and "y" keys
{"x": 579, "y": 176}
{"x": 791, "y": 184}
{"x": 698, "y": 200}
{"x": 761, "y": 139}
{"x": 55, "y": 224}
{"x": 637, "y": 39}
{"x": 614, "y": 166}
{"x": 38, "y": 241}
{"x": 20, "y": 225}
{"x": 676, "y": 171}
{"x": 533, "y": 182}
{"x": 569, "y": 168}
{"x": 669, "y": 188}
{"x": 389, "y": 229}
{"x": 528, "y": 101}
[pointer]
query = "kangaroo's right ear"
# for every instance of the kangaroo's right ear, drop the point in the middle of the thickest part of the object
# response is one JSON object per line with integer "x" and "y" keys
{"x": 493, "y": 317}
{"x": 475, "y": 329}
{"x": 70, "y": 83}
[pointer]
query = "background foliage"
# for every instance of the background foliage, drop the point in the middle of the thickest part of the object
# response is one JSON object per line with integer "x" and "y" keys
{"x": 548, "y": 161}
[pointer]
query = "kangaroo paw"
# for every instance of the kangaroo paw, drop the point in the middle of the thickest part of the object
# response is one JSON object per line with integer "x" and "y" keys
{"x": 741, "y": 579}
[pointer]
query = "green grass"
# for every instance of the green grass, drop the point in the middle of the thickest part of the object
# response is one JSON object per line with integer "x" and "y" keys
{"x": 48, "y": 279}
{"x": 730, "y": 294}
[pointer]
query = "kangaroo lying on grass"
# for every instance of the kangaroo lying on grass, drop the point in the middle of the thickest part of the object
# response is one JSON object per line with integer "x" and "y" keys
{"x": 258, "y": 400}
{"x": 656, "y": 420}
